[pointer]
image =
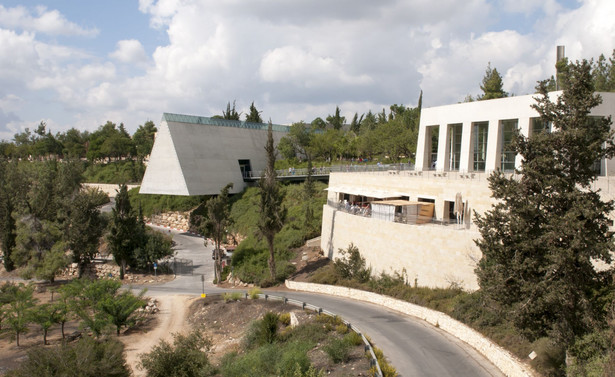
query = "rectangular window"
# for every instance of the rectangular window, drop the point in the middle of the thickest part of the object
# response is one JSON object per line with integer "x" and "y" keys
{"x": 507, "y": 154}
{"x": 539, "y": 125}
{"x": 455, "y": 131}
{"x": 480, "y": 131}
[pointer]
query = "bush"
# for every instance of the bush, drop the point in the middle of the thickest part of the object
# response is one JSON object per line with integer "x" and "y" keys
{"x": 104, "y": 358}
{"x": 341, "y": 329}
{"x": 254, "y": 292}
{"x": 354, "y": 338}
{"x": 232, "y": 296}
{"x": 183, "y": 358}
{"x": 352, "y": 265}
{"x": 284, "y": 319}
{"x": 338, "y": 350}
{"x": 263, "y": 331}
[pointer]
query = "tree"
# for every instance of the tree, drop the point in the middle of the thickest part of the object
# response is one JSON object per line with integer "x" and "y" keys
{"x": 85, "y": 358}
{"x": 218, "y": 221}
{"x": 185, "y": 357}
{"x": 492, "y": 85}
{"x": 540, "y": 239}
{"x": 21, "y": 303}
{"x": 336, "y": 121}
{"x": 254, "y": 116}
{"x": 45, "y": 315}
{"x": 143, "y": 139}
{"x": 7, "y": 206}
{"x": 121, "y": 309}
{"x": 230, "y": 114}
{"x": 124, "y": 226}
{"x": 272, "y": 213}
{"x": 84, "y": 226}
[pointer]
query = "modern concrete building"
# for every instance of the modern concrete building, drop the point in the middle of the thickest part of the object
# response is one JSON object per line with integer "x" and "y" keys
{"x": 194, "y": 155}
{"x": 419, "y": 223}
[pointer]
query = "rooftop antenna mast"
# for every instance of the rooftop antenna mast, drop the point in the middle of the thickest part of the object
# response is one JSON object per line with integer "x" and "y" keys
{"x": 561, "y": 54}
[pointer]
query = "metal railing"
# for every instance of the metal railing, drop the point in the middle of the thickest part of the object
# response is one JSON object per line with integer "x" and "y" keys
{"x": 345, "y": 168}
{"x": 398, "y": 218}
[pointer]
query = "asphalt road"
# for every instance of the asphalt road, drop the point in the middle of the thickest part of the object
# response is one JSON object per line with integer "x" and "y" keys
{"x": 413, "y": 346}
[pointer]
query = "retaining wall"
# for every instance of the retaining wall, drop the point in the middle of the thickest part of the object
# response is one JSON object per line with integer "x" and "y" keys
{"x": 504, "y": 360}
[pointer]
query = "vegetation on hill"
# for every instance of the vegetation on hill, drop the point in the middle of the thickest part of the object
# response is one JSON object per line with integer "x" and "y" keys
{"x": 251, "y": 256}
{"x": 150, "y": 204}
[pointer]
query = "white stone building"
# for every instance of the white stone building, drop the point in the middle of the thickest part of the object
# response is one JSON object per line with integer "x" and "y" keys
{"x": 194, "y": 155}
{"x": 424, "y": 227}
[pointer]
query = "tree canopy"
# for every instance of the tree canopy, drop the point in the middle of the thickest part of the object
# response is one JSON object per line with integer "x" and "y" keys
{"x": 492, "y": 85}
{"x": 540, "y": 239}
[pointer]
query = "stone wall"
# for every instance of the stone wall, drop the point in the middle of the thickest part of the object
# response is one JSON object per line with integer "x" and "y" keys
{"x": 504, "y": 360}
{"x": 173, "y": 220}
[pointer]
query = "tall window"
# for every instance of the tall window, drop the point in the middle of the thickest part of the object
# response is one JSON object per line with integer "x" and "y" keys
{"x": 480, "y": 132}
{"x": 539, "y": 125}
{"x": 507, "y": 154}
{"x": 455, "y": 145}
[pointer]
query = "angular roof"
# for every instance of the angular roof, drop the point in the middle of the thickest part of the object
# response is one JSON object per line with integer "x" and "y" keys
{"x": 194, "y": 155}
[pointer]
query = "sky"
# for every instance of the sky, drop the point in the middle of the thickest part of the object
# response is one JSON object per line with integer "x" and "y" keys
{"x": 73, "y": 63}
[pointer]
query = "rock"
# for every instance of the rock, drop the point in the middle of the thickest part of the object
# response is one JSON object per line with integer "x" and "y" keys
{"x": 293, "y": 320}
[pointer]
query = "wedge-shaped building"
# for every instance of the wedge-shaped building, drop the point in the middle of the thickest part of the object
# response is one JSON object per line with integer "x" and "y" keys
{"x": 419, "y": 223}
{"x": 195, "y": 155}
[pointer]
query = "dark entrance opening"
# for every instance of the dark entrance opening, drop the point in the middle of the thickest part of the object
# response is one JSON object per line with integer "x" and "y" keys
{"x": 246, "y": 169}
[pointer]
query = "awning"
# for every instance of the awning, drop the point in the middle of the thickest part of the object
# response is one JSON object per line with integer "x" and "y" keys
{"x": 366, "y": 191}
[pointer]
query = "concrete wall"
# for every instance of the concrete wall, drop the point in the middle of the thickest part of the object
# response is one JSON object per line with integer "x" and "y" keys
{"x": 200, "y": 159}
{"x": 492, "y": 111}
{"x": 504, "y": 360}
{"x": 435, "y": 255}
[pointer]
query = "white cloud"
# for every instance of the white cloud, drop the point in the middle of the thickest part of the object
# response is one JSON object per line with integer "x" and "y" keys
{"x": 297, "y": 60}
{"x": 44, "y": 21}
{"x": 130, "y": 51}
{"x": 290, "y": 64}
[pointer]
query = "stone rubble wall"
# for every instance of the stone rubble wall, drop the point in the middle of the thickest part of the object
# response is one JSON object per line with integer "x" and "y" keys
{"x": 174, "y": 220}
{"x": 502, "y": 359}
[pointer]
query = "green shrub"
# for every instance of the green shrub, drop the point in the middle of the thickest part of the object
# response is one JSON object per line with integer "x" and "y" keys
{"x": 254, "y": 292}
{"x": 104, "y": 358}
{"x": 341, "y": 329}
{"x": 354, "y": 338}
{"x": 183, "y": 358}
{"x": 285, "y": 319}
{"x": 232, "y": 296}
{"x": 338, "y": 350}
{"x": 263, "y": 331}
{"x": 151, "y": 204}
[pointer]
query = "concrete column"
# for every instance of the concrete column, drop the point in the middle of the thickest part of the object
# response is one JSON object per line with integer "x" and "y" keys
{"x": 465, "y": 160}
{"x": 493, "y": 145}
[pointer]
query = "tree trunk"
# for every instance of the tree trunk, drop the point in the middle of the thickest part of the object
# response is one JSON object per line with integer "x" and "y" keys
{"x": 44, "y": 337}
{"x": 63, "y": 330}
{"x": 122, "y": 269}
{"x": 271, "y": 259}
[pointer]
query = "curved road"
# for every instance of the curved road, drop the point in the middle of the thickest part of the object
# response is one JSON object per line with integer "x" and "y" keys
{"x": 413, "y": 346}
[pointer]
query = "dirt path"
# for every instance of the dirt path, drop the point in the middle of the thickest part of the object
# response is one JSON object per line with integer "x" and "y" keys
{"x": 171, "y": 319}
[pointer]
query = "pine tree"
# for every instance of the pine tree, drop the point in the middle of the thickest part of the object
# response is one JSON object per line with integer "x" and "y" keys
{"x": 254, "y": 116}
{"x": 272, "y": 213}
{"x": 218, "y": 221}
{"x": 124, "y": 226}
{"x": 492, "y": 86}
{"x": 548, "y": 225}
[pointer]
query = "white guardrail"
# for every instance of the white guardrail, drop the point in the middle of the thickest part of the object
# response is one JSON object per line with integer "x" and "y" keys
{"x": 508, "y": 364}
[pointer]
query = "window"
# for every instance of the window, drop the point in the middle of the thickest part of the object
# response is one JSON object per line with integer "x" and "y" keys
{"x": 246, "y": 169}
{"x": 507, "y": 154}
{"x": 539, "y": 125}
{"x": 455, "y": 131}
{"x": 480, "y": 132}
